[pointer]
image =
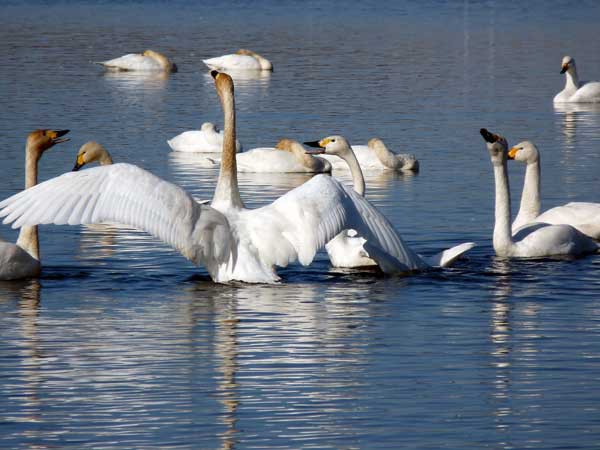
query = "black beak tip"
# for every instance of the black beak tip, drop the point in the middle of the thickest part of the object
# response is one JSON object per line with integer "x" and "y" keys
{"x": 60, "y": 133}
{"x": 76, "y": 167}
{"x": 314, "y": 144}
{"x": 489, "y": 137}
{"x": 214, "y": 73}
{"x": 563, "y": 70}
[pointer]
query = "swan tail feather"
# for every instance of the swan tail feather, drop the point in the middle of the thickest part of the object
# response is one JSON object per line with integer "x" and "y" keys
{"x": 447, "y": 257}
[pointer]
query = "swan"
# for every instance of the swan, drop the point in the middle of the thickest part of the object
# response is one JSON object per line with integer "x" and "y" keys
{"x": 581, "y": 215}
{"x": 240, "y": 60}
{"x": 92, "y": 151}
{"x": 347, "y": 250}
{"x": 209, "y": 139}
{"x": 148, "y": 61}
{"x": 288, "y": 156}
{"x": 535, "y": 240}
{"x": 229, "y": 240}
{"x": 376, "y": 156}
{"x": 22, "y": 260}
{"x": 576, "y": 91}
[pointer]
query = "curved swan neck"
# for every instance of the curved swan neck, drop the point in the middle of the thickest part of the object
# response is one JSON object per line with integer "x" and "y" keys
{"x": 227, "y": 193}
{"x": 502, "y": 237}
{"x": 28, "y": 238}
{"x": 105, "y": 159}
{"x": 386, "y": 157}
{"x": 572, "y": 80}
{"x": 355, "y": 170}
{"x": 530, "y": 205}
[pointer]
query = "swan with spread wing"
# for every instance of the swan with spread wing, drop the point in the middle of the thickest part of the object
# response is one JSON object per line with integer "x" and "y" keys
{"x": 229, "y": 240}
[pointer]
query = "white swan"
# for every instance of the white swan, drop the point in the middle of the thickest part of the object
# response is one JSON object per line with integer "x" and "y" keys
{"x": 535, "y": 240}
{"x": 288, "y": 156}
{"x": 148, "y": 61}
{"x": 376, "y": 156}
{"x": 576, "y": 91}
{"x": 232, "y": 242}
{"x": 241, "y": 60}
{"x": 208, "y": 139}
{"x": 92, "y": 151}
{"x": 581, "y": 215}
{"x": 347, "y": 250}
{"x": 22, "y": 260}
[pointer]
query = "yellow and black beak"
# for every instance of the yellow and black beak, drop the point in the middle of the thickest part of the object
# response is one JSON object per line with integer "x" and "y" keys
{"x": 512, "y": 153}
{"x": 317, "y": 148}
{"x": 79, "y": 163}
{"x": 55, "y": 135}
{"x": 214, "y": 73}
{"x": 565, "y": 67}
{"x": 489, "y": 137}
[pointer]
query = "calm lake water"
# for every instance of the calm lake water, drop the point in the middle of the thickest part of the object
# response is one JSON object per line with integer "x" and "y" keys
{"x": 122, "y": 343}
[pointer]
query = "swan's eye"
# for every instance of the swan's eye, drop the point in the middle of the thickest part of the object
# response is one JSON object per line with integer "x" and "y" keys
{"x": 333, "y": 140}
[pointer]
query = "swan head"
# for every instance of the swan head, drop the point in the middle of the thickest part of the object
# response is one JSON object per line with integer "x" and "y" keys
{"x": 208, "y": 127}
{"x": 496, "y": 145}
{"x": 525, "y": 152}
{"x": 39, "y": 141}
{"x": 331, "y": 145}
{"x": 568, "y": 64}
{"x": 165, "y": 62}
{"x": 90, "y": 152}
{"x": 265, "y": 64}
{"x": 223, "y": 83}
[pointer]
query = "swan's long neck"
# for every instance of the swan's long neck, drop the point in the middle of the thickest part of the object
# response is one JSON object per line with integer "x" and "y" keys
{"x": 530, "y": 205}
{"x": 502, "y": 236}
{"x": 227, "y": 193}
{"x": 356, "y": 172}
{"x": 105, "y": 159}
{"x": 386, "y": 157}
{"x": 28, "y": 236}
{"x": 572, "y": 80}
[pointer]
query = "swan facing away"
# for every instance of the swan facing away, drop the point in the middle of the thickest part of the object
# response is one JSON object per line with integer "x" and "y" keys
{"x": 208, "y": 139}
{"x": 148, "y": 61}
{"x": 347, "y": 249}
{"x": 538, "y": 239}
{"x": 581, "y": 215}
{"x": 576, "y": 91}
{"x": 376, "y": 156}
{"x": 229, "y": 240}
{"x": 240, "y": 60}
{"x": 89, "y": 152}
{"x": 22, "y": 260}
{"x": 288, "y": 156}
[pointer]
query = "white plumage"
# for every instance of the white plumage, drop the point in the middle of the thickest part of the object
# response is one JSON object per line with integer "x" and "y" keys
{"x": 581, "y": 215}
{"x": 535, "y": 240}
{"x": 286, "y": 157}
{"x": 148, "y": 61}
{"x": 576, "y": 91}
{"x": 241, "y": 60}
{"x": 208, "y": 139}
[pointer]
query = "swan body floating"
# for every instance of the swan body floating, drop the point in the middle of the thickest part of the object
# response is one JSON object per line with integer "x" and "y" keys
{"x": 288, "y": 156}
{"x": 148, "y": 61}
{"x": 576, "y": 91}
{"x": 347, "y": 249}
{"x": 241, "y": 60}
{"x": 536, "y": 240}
{"x": 208, "y": 139}
{"x": 376, "y": 156}
{"x": 581, "y": 215}
{"x": 22, "y": 260}
{"x": 231, "y": 241}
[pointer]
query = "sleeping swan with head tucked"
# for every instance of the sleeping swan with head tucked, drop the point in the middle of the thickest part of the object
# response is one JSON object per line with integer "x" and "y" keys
{"x": 231, "y": 241}
{"x": 240, "y": 60}
{"x": 148, "y": 61}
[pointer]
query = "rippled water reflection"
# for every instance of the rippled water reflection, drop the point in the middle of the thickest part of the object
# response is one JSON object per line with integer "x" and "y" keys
{"x": 124, "y": 344}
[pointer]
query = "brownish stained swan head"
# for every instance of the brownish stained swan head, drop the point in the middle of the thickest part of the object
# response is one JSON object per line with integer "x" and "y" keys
{"x": 39, "y": 141}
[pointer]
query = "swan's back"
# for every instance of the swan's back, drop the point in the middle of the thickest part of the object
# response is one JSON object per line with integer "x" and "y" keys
{"x": 581, "y": 215}
{"x": 199, "y": 141}
{"x": 588, "y": 93}
{"x": 132, "y": 61}
{"x": 233, "y": 61}
{"x": 272, "y": 160}
{"x": 541, "y": 240}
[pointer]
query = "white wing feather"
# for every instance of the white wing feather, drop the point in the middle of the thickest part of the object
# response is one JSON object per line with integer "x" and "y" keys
{"x": 126, "y": 194}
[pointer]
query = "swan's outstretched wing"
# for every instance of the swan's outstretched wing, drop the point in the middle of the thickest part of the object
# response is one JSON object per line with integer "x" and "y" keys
{"x": 126, "y": 194}
{"x": 302, "y": 221}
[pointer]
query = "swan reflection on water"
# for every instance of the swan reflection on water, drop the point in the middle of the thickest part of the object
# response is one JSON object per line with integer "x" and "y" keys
{"x": 570, "y": 116}
{"x": 130, "y": 80}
